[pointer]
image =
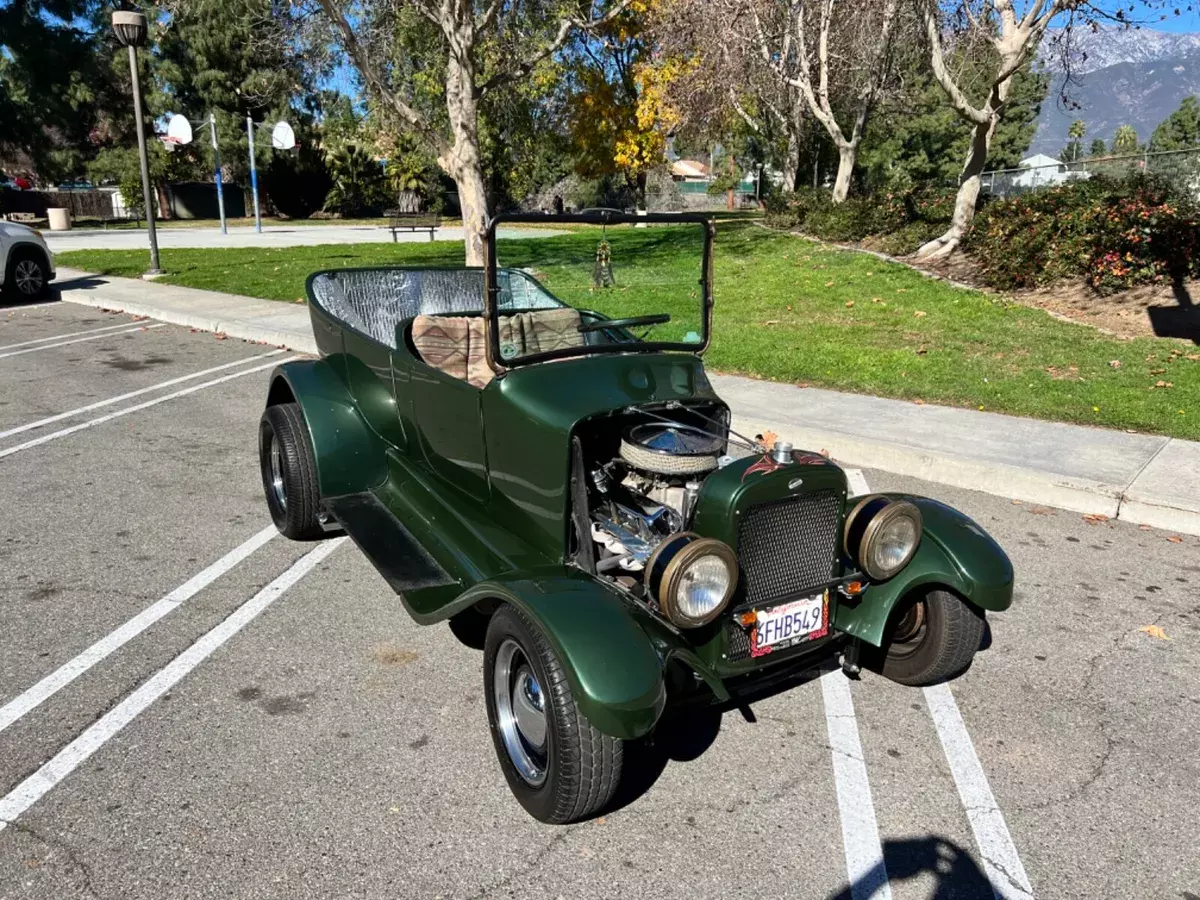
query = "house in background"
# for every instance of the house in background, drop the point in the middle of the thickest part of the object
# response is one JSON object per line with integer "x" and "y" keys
{"x": 690, "y": 170}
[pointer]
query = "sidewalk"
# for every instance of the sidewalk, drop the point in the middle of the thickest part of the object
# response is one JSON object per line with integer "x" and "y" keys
{"x": 1137, "y": 478}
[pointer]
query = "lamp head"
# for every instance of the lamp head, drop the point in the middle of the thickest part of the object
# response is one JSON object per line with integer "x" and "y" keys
{"x": 130, "y": 27}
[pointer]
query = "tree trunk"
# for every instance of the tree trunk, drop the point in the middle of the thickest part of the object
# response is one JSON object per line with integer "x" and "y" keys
{"x": 463, "y": 163}
{"x": 847, "y": 153}
{"x": 791, "y": 162}
{"x": 969, "y": 183}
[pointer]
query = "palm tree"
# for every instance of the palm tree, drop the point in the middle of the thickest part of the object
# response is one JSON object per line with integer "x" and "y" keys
{"x": 357, "y": 181}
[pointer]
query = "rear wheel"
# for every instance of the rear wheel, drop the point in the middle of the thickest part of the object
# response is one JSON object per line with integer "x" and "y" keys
{"x": 932, "y": 637}
{"x": 28, "y": 274}
{"x": 289, "y": 472}
{"x": 559, "y": 767}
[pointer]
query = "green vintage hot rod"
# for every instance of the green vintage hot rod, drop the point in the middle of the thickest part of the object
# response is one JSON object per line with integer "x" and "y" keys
{"x": 533, "y": 452}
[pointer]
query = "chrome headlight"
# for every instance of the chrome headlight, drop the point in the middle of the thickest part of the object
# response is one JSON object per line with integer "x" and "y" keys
{"x": 693, "y": 578}
{"x": 882, "y": 535}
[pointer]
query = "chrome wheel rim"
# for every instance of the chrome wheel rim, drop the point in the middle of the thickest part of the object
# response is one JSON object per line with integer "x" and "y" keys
{"x": 27, "y": 275}
{"x": 275, "y": 458}
{"x": 521, "y": 713}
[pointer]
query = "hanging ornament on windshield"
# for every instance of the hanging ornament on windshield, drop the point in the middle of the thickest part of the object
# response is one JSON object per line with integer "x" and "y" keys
{"x": 602, "y": 273}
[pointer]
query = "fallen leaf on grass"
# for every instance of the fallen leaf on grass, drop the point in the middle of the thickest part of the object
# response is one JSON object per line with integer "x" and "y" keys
{"x": 1193, "y": 356}
{"x": 1095, "y": 518}
{"x": 1115, "y": 364}
{"x": 849, "y": 304}
{"x": 771, "y": 322}
{"x": 876, "y": 300}
{"x": 1157, "y": 371}
{"x": 1155, "y": 632}
{"x": 919, "y": 314}
{"x": 829, "y": 284}
{"x": 1175, "y": 539}
{"x": 1162, "y": 384}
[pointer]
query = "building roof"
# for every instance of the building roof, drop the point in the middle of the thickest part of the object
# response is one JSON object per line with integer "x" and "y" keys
{"x": 689, "y": 168}
{"x": 1039, "y": 159}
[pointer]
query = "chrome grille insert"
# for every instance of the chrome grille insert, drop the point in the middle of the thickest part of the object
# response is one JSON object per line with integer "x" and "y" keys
{"x": 788, "y": 546}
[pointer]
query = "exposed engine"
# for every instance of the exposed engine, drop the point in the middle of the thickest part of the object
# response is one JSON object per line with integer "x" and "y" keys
{"x": 647, "y": 492}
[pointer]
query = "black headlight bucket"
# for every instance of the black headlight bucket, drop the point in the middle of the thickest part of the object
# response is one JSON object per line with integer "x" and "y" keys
{"x": 868, "y": 521}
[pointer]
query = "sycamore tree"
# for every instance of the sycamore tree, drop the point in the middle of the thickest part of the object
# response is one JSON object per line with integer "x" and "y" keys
{"x": 1007, "y": 33}
{"x": 455, "y": 52}
{"x": 838, "y": 56}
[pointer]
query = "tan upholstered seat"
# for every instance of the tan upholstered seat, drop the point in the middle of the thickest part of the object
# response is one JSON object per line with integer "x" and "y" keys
{"x": 455, "y": 344}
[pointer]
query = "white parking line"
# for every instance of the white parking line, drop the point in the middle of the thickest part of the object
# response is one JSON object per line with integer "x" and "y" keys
{"x": 67, "y": 760}
{"x": 94, "y": 337}
{"x": 69, "y": 334}
{"x": 1001, "y": 862}
{"x": 26, "y": 702}
{"x": 92, "y": 423}
{"x": 860, "y": 832}
{"x": 41, "y": 423}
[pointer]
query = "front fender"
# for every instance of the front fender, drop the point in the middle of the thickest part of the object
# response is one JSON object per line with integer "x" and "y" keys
{"x": 611, "y": 663}
{"x": 350, "y": 457}
{"x": 955, "y": 553}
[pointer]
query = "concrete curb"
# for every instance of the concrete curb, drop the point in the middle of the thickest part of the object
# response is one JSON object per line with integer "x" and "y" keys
{"x": 1163, "y": 493}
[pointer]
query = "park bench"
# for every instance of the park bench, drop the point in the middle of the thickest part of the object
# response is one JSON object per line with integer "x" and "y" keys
{"x": 412, "y": 221}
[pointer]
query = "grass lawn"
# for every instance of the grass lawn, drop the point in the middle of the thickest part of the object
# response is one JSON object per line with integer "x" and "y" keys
{"x": 791, "y": 311}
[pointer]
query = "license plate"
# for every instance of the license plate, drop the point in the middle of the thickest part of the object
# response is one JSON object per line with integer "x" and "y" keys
{"x": 790, "y": 624}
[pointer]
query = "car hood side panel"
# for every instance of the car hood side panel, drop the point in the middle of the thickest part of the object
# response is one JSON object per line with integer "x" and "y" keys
{"x": 529, "y": 415}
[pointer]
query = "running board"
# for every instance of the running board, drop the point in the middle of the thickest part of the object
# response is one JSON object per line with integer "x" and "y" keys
{"x": 399, "y": 557}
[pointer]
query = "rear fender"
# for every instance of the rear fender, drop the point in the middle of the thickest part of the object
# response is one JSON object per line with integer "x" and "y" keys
{"x": 955, "y": 554}
{"x": 350, "y": 457}
{"x": 610, "y": 660}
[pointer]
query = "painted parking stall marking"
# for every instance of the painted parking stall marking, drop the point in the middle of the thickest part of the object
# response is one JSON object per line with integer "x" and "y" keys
{"x": 860, "y": 832}
{"x": 1001, "y": 863}
{"x": 92, "y": 423}
{"x": 99, "y": 404}
{"x": 67, "y": 760}
{"x": 57, "y": 337}
{"x": 30, "y": 699}
{"x": 94, "y": 337}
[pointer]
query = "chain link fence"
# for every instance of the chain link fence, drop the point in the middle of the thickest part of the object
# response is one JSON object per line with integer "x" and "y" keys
{"x": 1181, "y": 168}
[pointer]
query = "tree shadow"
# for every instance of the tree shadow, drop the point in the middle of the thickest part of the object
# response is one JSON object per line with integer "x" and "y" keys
{"x": 956, "y": 875}
{"x": 1182, "y": 321}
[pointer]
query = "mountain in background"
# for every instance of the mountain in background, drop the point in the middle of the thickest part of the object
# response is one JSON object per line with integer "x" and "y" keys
{"x": 1136, "y": 77}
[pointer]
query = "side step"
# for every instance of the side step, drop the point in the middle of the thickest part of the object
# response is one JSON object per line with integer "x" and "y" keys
{"x": 398, "y": 556}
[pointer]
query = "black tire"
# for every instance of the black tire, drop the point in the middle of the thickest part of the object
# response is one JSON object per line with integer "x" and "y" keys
{"x": 931, "y": 638}
{"x": 582, "y": 765}
{"x": 28, "y": 273}
{"x": 293, "y": 495}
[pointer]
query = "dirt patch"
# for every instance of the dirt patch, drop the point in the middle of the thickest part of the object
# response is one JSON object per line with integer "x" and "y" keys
{"x": 1153, "y": 310}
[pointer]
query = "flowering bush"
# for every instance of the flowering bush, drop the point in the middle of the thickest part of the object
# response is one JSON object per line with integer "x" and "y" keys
{"x": 1117, "y": 234}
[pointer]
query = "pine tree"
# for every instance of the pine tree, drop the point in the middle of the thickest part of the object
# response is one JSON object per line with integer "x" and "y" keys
{"x": 1180, "y": 130}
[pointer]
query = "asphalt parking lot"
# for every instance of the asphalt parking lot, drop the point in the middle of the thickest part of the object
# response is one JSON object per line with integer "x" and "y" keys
{"x": 191, "y": 707}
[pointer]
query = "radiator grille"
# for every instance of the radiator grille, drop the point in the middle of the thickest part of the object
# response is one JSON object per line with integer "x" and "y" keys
{"x": 788, "y": 546}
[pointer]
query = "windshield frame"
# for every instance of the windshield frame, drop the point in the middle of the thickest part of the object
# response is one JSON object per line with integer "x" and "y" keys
{"x": 491, "y": 310}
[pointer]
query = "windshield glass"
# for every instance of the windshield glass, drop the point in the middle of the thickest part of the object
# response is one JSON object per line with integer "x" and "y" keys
{"x": 587, "y": 288}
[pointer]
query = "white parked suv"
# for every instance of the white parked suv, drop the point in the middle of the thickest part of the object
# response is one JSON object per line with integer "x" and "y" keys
{"x": 26, "y": 263}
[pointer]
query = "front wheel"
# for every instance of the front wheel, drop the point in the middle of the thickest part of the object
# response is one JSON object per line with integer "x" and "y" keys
{"x": 289, "y": 472}
{"x": 932, "y": 637}
{"x": 559, "y": 767}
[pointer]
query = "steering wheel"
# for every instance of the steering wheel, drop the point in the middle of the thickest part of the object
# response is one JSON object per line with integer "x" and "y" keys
{"x": 634, "y": 322}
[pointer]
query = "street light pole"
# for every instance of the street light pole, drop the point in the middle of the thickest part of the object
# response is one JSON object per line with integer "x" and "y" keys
{"x": 253, "y": 175}
{"x": 212, "y": 125}
{"x": 130, "y": 29}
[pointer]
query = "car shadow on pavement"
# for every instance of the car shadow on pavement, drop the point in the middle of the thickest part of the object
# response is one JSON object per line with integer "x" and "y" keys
{"x": 54, "y": 292}
{"x": 10, "y": 301}
{"x": 955, "y": 874}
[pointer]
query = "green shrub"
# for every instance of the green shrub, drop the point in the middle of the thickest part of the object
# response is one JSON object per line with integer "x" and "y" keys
{"x": 858, "y": 217}
{"x": 1116, "y": 233}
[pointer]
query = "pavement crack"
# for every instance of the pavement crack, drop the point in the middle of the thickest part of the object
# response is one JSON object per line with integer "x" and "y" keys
{"x": 528, "y": 866}
{"x": 63, "y": 847}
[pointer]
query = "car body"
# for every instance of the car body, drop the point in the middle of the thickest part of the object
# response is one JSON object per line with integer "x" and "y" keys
{"x": 26, "y": 263}
{"x": 583, "y": 508}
